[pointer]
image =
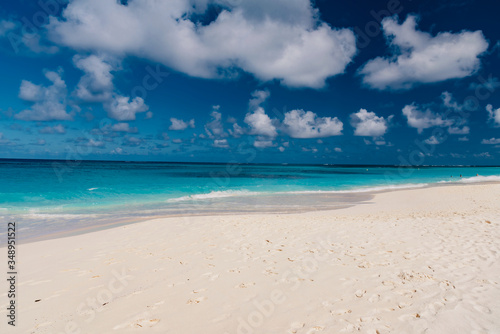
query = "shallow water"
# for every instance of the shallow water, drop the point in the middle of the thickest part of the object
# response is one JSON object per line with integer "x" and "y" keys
{"x": 47, "y": 197}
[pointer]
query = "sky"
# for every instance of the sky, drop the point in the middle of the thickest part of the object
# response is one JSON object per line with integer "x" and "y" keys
{"x": 252, "y": 81}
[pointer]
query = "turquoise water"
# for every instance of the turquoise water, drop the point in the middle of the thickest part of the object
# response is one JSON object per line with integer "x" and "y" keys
{"x": 50, "y": 196}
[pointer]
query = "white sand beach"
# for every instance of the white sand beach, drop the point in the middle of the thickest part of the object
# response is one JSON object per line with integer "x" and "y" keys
{"x": 410, "y": 261}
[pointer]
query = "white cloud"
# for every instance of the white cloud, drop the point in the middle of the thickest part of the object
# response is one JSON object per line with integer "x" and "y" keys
{"x": 453, "y": 130}
{"x": 423, "y": 119}
{"x": 451, "y": 116}
{"x": 482, "y": 155}
{"x": 215, "y": 128}
{"x": 493, "y": 115}
{"x": 337, "y": 149}
{"x": 301, "y": 124}
{"x": 313, "y": 149}
{"x": 96, "y": 85}
{"x": 433, "y": 140}
{"x": 260, "y": 123}
{"x": 221, "y": 143}
{"x": 6, "y": 26}
{"x": 95, "y": 143}
{"x": 179, "y": 124}
{"x": 463, "y": 139}
{"x": 60, "y": 129}
{"x": 367, "y": 123}
{"x": 133, "y": 141}
{"x": 450, "y": 103}
{"x": 281, "y": 39}
{"x": 117, "y": 150}
{"x": 123, "y": 127}
{"x": 25, "y": 35}
{"x": 49, "y": 102}
{"x": 489, "y": 84}
{"x": 420, "y": 57}
{"x": 237, "y": 131}
{"x": 35, "y": 43}
{"x": 258, "y": 97}
{"x": 263, "y": 143}
{"x": 30, "y": 92}
{"x": 281, "y": 149}
{"x": 492, "y": 141}
{"x": 122, "y": 108}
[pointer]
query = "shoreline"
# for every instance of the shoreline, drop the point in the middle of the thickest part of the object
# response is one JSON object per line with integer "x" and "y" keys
{"x": 410, "y": 261}
{"x": 363, "y": 197}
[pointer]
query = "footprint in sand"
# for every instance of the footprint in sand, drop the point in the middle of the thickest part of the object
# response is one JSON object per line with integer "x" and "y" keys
{"x": 196, "y": 300}
{"x": 295, "y": 326}
{"x": 360, "y": 293}
{"x": 244, "y": 285}
{"x": 146, "y": 323}
{"x": 341, "y": 312}
{"x": 143, "y": 320}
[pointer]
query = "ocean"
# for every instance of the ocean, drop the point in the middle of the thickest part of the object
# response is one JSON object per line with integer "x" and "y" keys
{"x": 59, "y": 197}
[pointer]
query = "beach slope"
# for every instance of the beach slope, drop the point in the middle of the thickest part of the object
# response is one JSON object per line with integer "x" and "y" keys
{"x": 408, "y": 261}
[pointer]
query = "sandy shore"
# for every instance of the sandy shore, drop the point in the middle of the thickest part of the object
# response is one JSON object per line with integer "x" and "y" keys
{"x": 411, "y": 261}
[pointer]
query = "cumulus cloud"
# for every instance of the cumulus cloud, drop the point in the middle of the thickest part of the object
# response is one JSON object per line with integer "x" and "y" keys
{"x": 423, "y": 119}
{"x": 493, "y": 115}
{"x": 263, "y": 143}
{"x": 133, "y": 141}
{"x": 420, "y": 57}
{"x": 49, "y": 102}
{"x": 215, "y": 128}
{"x": 433, "y": 140}
{"x": 367, "y": 123}
{"x": 450, "y": 114}
{"x": 21, "y": 35}
{"x": 483, "y": 155}
{"x": 123, "y": 127}
{"x": 37, "y": 44}
{"x": 117, "y": 150}
{"x": 281, "y": 39}
{"x": 179, "y": 124}
{"x": 302, "y": 124}
{"x": 454, "y": 130}
{"x": 258, "y": 97}
{"x": 96, "y": 85}
{"x": 260, "y": 123}
{"x": 95, "y": 143}
{"x": 220, "y": 143}
{"x": 121, "y": 108}
{"x": 491, "y": 141}
{"x": 59, "y": 129}
{"x": 237, "y": 131}
{"x": 6, "y": 26}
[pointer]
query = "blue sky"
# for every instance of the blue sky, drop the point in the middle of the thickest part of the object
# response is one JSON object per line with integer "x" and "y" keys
{"x": 297, "y": 81}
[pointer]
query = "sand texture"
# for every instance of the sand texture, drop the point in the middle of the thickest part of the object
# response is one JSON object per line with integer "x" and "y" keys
{"x": 409, "y": 261}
